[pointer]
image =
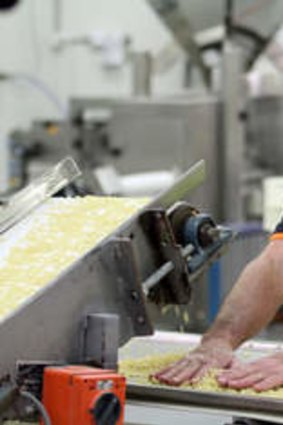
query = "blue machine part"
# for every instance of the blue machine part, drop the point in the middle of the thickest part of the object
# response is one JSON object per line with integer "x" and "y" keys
{"x": 207, "y": 239}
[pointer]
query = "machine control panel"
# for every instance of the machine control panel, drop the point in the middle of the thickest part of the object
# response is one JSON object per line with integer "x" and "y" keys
{"x": 82, "y": 395}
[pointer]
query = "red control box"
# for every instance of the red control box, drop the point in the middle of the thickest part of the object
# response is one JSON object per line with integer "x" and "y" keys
{"x": 79, "y": 395}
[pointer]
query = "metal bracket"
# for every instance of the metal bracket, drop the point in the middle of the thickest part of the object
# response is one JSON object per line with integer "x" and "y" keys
{"x": 119, "y": 263}
{"x": 170, "y": 283}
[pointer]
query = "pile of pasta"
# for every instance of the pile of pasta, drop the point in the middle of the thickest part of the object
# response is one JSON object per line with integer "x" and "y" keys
{"x": 140, "y": 370}
{"x": 52, "y": 239}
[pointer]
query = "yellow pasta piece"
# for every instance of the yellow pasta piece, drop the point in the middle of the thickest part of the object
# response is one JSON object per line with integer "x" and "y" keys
{"x": 61, "y": 233}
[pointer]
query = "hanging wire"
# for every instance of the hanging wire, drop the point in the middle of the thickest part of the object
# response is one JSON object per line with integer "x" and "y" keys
{"x": 39, "y": 406}
{"x": 42, "y": 87}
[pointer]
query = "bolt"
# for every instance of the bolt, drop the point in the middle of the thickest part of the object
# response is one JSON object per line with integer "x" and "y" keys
{"x": 118, "y": 253}
{"x": 140, "y": 320}
{"x": 120, "y": 280}
{"x": 134, "y": 295}
{"x": 213, "y": 232}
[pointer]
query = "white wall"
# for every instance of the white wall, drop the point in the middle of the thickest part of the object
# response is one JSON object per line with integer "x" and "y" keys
{"x": 134, "y": 17}
{"x": 26, "y": 35}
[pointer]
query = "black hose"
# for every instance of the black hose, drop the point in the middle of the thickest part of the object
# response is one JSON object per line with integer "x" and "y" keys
{"x": 39, "y": 406}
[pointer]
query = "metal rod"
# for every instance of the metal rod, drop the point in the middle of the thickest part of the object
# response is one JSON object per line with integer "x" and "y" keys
{"x": 163, "y": 271}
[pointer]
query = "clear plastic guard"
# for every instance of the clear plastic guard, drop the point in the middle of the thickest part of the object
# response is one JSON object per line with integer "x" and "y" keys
{"x": 37, "y": 192}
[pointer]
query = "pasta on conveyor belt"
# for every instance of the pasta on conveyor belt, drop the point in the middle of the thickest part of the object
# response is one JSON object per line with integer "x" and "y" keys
{"x": 51, "y": 239}
{"x": 139, "y": 371}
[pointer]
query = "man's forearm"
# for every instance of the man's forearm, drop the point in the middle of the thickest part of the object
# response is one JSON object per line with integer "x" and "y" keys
{"x": 253, "y": 301}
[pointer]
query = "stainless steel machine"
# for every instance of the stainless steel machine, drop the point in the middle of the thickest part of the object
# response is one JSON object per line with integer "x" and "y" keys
{"x": 133, "y": 136}
{"x": 98, "y": 303}
{"x": 162, "y": 134}
{"x": 145, "y": 137}
{"x": 158, "y": 255}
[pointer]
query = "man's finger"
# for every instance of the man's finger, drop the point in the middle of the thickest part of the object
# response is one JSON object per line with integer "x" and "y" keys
{"x": 189, "y": 364}
{"x": 248, "y": 381}
{"x": 185, "y": 375}
{"x": 175, "y": 366}
{"x": 269, "y": 382}
{"x": 235, "y": 363}
{"x": 201, "y": 373}
{"x": 179, "y": 376}
{"x": 240, "y": 372}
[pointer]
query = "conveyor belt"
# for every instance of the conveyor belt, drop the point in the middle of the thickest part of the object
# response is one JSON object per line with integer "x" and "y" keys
{"x": 107, "y": 278}
{"x": 236, "y": 405}
{"x": 257, "y": 407}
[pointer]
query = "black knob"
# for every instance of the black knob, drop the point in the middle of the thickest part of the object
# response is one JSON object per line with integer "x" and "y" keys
{"x": 107, "y": 409}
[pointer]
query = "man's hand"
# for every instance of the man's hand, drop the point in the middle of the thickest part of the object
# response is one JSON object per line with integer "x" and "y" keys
{"x": 214, "y": 354}
{"x": 261, "y": 375}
